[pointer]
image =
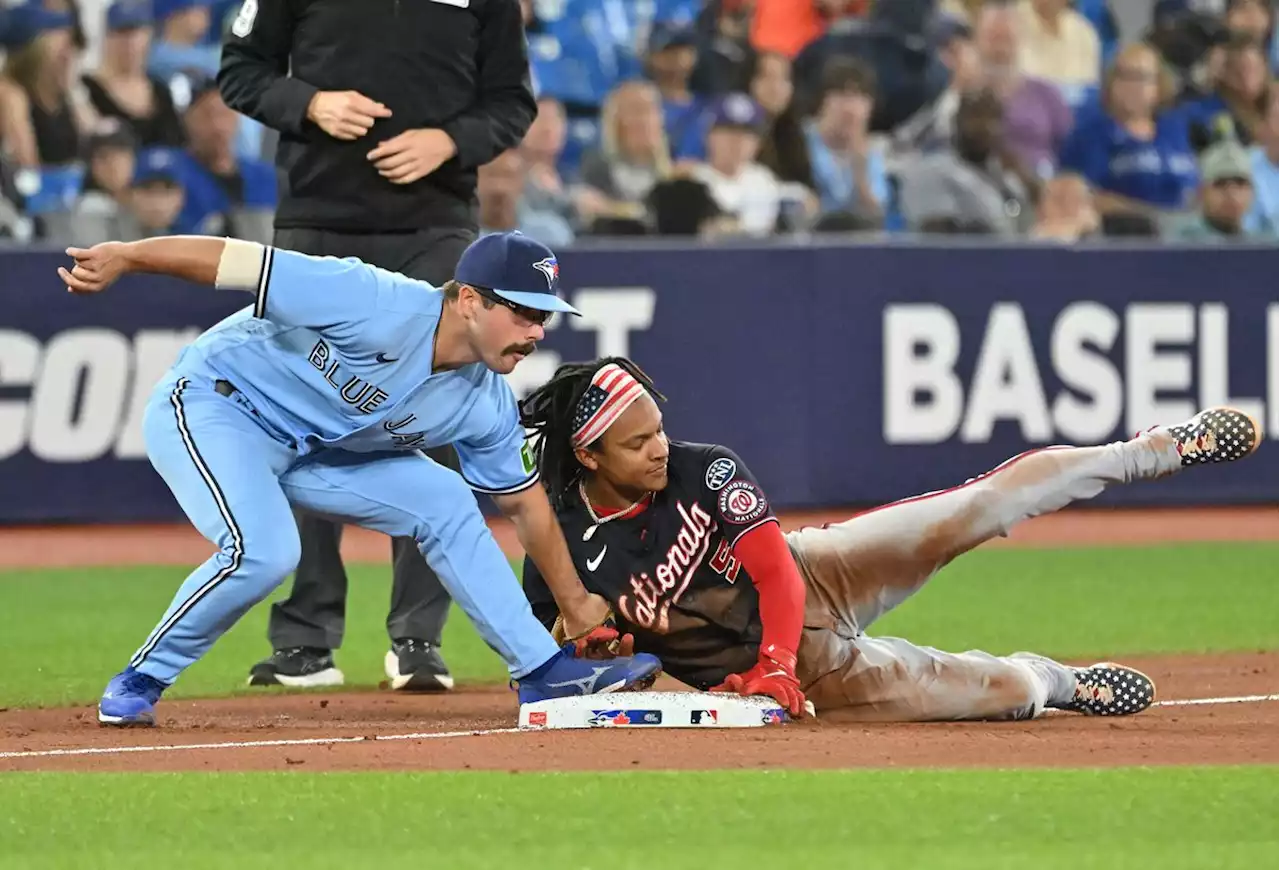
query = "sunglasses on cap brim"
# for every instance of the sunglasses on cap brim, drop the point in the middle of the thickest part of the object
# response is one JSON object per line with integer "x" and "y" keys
{"x": 533, "y": 315}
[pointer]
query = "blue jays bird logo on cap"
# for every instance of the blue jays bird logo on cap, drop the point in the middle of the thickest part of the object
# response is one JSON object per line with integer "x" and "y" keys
{"x": 550, "y": 269}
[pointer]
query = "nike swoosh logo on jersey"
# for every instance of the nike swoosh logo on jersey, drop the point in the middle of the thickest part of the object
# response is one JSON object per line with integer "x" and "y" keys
{"x": 586, "y": 684}
{"x": 593, "y": 564}
{"x": 383, "y": 358}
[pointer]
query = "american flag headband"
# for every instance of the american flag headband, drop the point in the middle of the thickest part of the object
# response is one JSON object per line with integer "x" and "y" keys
{"x": 612, "y": 391}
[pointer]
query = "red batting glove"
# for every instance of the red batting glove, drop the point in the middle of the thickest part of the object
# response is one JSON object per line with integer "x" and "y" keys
{"x": 771, "y": 677}
{"x": 604, "y": 642}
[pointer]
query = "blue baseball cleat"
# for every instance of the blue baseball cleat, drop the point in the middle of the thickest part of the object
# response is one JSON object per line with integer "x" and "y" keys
{"x": 130, "y": 699}
{"x": 567, "y": 675}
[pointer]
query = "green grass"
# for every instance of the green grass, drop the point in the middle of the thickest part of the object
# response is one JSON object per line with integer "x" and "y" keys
{"x": 1221, "y": 818}
{"x": 64, "y": 632}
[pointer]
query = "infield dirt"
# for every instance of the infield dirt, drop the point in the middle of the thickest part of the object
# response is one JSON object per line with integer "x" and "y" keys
{"x": 1223, "y": 733}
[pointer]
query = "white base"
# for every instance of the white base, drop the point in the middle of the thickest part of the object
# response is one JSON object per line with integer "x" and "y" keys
{"x": 652, "y": 710}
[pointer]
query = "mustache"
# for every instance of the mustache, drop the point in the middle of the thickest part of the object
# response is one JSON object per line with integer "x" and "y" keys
{"x": 525, "y": 349}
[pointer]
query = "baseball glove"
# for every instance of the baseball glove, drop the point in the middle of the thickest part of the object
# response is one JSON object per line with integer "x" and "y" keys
{"x": 603, "y": 641}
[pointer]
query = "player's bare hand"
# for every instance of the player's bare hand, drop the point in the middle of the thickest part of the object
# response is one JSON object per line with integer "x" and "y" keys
{"x": 413, "y": 155}
{"x": 345, "y": 115}
{"x": 768, "y": 677}
{"x": 95, "y": 268}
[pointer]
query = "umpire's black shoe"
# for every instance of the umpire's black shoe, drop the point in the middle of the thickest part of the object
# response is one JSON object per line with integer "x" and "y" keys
{"x": 414, "y": 665}
{"x": 301, "y": 667}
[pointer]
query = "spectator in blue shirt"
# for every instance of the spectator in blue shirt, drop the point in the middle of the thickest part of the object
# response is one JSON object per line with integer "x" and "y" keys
{"x": 1135, "y": 160}
{"x": 1266, "y": 176}
{"x": 848, "y": 170}
{"x": 226, "y": 195}
{"x": 673, "y": 53}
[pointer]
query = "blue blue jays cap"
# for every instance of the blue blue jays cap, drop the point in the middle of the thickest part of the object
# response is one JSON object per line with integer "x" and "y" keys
{"x": 156, "y": 164}
{"x": 129, "y": 14}
{"x": 515, "y": 268}
{"x": 671, "y": 35}
{"x": 165, "y": 8}
{"x": 737, "y": 110}
{"x": 19, "y": 25}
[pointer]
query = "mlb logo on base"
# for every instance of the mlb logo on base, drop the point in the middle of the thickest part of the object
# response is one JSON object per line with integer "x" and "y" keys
{"x": 702, "y": 717}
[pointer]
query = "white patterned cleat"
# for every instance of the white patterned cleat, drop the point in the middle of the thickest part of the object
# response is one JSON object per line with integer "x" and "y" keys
{"x": 1216, "y": 435}
{"x": 1108, "y": 689}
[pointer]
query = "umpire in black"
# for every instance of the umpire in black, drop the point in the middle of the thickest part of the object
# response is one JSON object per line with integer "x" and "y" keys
{"x": 385, "y": 109}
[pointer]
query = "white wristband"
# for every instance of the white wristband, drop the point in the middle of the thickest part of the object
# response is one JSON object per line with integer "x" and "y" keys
{"x": 240, "y": 267}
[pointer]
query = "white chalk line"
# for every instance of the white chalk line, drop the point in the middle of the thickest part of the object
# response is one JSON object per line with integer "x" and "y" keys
{"x": 1198, "y": 702}
{"x": 434, "y": 735}
{"x": 251, "y": 744}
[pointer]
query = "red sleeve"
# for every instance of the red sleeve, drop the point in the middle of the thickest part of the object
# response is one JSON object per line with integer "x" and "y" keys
{"x": 765, "y": 554}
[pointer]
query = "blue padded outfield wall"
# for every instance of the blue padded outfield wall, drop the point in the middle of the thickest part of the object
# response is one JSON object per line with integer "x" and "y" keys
{"x": 842, "y": 375}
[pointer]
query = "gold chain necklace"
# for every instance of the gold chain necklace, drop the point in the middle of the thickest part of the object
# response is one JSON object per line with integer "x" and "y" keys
{"x": 596, "y": 519}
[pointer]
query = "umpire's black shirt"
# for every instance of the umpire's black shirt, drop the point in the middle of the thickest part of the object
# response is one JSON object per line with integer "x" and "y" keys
{"x": 457, "y": 65}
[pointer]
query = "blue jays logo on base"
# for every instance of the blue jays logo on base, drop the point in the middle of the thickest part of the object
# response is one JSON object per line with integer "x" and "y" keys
{"x": 775, "y": 716}
{"x": 614, "y": 718}
{"x": 550, "y": 270}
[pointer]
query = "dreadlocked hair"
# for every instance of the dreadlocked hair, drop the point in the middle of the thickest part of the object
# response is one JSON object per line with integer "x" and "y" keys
{"x": 549, "y": 412}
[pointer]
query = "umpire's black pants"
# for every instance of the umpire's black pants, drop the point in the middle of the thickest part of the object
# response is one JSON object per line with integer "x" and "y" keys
{"x": 314, "y": 614}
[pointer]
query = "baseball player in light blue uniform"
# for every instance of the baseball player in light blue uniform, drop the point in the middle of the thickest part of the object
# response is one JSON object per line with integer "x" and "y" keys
{"x": 322, "y": 395}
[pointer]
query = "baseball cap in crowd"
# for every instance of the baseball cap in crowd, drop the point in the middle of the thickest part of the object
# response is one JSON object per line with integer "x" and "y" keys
{"x": 670, "y": 35}
{"x": 165, "y": 8}
{"x": 1167, "y": 9}
{"x": 129, "y": 14}
{"x": 1226, "y": 161}
{"x": 156, "y": 164}
{"x": 737, "y": 110}
{"x": 19, "y": 25}
{"x": 514, "y": 268}
{"x": 947, "y": 28}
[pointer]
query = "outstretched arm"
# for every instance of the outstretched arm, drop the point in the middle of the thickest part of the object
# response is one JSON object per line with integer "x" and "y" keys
{"x": 291, "y": 289}
{"x": 194, "y": 258}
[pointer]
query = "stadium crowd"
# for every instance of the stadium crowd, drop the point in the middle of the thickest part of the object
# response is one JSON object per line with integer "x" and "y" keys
{"x": 1017, "y": 118}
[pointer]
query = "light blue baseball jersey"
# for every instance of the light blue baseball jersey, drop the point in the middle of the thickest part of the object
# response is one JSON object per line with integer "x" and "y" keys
{"x": 336, "y": 354}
